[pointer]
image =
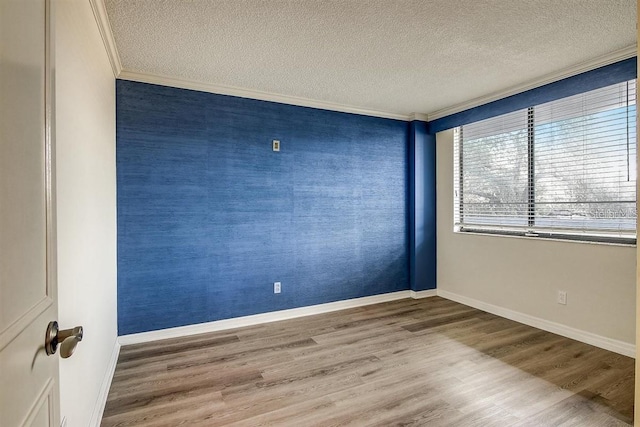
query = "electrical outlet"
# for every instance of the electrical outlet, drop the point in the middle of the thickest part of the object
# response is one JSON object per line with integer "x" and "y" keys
{"x": 276, "y": 287}
{"x": 562, "y": 297}
{"x": 276, "y": 145}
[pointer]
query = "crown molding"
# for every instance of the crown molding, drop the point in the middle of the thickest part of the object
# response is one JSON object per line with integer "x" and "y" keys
{"x": 611, "y": 58}
{"x": 255, "y": 94}
{"x": 418, "y": 116}
{"x": 114, "y": 58}
{"x": 102, "y": 19}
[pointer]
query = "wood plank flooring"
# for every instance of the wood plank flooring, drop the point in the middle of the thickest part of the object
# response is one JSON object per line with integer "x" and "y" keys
{"x": 404, "y": 363}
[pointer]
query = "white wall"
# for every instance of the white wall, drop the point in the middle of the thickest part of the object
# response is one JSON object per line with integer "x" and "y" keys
{"x": 86, "y": 214}
{"x": 524, "y": 275}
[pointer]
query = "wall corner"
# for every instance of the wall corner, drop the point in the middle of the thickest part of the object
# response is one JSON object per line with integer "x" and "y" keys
{"x": 422, "y": 207}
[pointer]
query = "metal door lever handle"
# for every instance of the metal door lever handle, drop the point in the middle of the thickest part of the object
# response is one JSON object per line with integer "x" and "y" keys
{"x": 67, "y": 338}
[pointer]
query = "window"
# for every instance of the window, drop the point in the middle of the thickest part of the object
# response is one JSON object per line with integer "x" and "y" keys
{"x": 564, "y": 169}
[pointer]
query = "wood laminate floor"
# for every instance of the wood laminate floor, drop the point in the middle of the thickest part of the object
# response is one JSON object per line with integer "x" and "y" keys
{"x": 410, "y": 362}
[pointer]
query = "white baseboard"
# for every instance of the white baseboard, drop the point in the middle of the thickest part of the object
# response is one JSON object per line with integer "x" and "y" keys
{"x": 616, "y": 346}
{"x": 423, "y": 294}
{"x": 274, "y": 316}
{"x": 98, "y": 410}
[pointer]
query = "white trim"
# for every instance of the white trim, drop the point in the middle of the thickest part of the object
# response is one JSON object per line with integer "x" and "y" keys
{"x": 418, "y": 116}
{"x": 423, "y": 294}
{"x": 101, "y": 401}
{"x": 611, "y": 58}
{"x": 114, "y": 58}
{"x": 616, "y": 346}
{"x": 106, "y": 32}
{"x": 255, "y": 94}
{"x": 256, "y": 319}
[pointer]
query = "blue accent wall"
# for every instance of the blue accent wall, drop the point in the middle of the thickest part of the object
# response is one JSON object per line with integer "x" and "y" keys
{"x": 584, "y": 82}
{"x": 209, "y": 216}
{"x": 422, "y": 211}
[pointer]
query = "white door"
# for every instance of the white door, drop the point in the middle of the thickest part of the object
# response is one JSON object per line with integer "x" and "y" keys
{"x": 28, "y": 377}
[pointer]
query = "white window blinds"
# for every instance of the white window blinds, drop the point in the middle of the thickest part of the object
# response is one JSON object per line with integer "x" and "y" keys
{"x": 564, "y": 168}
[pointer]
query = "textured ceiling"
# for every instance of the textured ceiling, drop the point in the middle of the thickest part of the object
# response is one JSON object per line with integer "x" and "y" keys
{"x": 397, "y": 56}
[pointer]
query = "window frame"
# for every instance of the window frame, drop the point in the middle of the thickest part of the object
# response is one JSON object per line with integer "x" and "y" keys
{"x": 590, "y": 235}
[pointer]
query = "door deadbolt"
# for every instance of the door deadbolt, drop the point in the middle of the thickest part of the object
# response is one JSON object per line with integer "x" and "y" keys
{"x": 67, "y": 338}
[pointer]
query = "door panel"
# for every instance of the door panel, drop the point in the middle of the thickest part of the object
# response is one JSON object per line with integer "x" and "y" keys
{"x": 42, "y": 411}
{"x": 28, "y": 383}
{"x": 22, "y": 197}
{"x": 29, "y": 386}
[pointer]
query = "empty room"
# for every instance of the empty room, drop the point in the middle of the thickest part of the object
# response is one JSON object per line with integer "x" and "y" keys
{"x": 318, "y": 213}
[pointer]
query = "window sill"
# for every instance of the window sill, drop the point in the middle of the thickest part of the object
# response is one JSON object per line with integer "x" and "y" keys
{"x": 630, "y": 244}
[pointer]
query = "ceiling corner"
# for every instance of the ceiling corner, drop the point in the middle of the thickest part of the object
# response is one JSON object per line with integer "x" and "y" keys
{"x": 106, "y": 32}
{"x": 418, "y": 116}
{"x": 604, "y": 60}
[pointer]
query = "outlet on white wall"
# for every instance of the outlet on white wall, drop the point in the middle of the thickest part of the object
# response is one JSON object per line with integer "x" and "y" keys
{"x": 276, "y": 287}
{"x": 562, "y": 297}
